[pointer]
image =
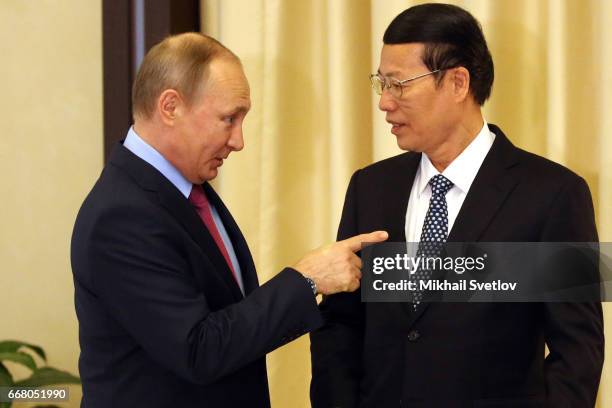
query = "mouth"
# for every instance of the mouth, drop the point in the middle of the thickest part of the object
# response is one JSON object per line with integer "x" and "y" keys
{"x": 395, "y": 126}
{"x": 217, "y": 161}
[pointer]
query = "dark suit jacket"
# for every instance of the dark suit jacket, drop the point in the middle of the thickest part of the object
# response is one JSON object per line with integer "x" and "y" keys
{"x": 162, "y": 322}
{"x": 464, "y": 354}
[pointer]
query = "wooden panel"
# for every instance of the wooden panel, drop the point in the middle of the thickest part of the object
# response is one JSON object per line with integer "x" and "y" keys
{"x": 161, "y": 18}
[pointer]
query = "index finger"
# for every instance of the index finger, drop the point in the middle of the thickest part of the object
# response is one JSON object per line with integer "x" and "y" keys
{"x": 354, "y": 243}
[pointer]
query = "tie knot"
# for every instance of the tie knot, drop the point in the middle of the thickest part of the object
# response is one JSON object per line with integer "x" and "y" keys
{"x": 197, "y": 197}
{"x": 440, "y": 185}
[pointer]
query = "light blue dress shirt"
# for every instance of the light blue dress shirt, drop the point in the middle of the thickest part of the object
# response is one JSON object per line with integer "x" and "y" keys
{"x": 146, "y": 152}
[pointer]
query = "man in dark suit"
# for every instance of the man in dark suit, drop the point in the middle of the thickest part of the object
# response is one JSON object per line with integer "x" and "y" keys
{"x": 464, "y": 180}
{"x": 169, "y": 308}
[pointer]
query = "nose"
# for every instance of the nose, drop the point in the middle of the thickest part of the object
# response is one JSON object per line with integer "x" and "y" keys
{"x": 236, "y": 140}
{"x": 386, "y": 102}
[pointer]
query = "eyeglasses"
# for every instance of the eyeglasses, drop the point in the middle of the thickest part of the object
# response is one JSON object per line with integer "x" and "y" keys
{"x": 395, "y": 86}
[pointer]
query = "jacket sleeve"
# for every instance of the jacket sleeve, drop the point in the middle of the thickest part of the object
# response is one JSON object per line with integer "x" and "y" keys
{"x": 141, "y": 274}
{"x": 573, "y": 331}
{"x": 336, "y": 348}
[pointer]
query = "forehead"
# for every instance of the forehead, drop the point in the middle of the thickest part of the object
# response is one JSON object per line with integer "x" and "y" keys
{"x": 227, "y": 86}
{"x": 397, "y": 60}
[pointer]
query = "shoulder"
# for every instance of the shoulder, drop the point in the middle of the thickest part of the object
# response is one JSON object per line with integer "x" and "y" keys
{"x": 117, "y": 199}
{"x": 399, "y": 162}
{"x": 546, "y": 173}
{"x": 529, "y": 167}
{"x": 391, "y": 167}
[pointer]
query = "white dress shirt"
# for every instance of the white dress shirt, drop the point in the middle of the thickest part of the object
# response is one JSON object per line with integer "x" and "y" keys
{"x": 461, "y": 172}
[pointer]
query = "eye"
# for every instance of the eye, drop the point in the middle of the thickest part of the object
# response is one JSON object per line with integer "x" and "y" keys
{"x": 396, "y": 85}
{"x": 229, "y": 119}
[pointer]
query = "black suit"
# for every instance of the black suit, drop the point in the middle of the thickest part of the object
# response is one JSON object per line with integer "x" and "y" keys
{"x": 464, "y": 354}
{"x": 162, "y": 322}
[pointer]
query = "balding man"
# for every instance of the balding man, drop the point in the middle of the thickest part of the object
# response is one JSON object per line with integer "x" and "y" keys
{"x": 168, "y": 302}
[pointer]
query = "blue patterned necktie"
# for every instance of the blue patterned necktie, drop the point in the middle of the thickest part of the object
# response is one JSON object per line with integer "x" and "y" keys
{"x": 435, "y": 230}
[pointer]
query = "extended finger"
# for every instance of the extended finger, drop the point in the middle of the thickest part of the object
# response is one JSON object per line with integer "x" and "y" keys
{"x": 354, "y": 243}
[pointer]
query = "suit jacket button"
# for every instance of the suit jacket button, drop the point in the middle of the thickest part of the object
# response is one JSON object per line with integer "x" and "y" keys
{"x": 414, "y": 335}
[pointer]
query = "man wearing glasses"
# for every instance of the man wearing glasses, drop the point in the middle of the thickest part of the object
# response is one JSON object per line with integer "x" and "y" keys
{"x": 463, "y": 179}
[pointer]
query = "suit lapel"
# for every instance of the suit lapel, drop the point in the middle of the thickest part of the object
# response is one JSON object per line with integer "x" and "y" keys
{"x": 247, "y": 267}
{"x": 396, "y": 195}
{"x": 179, "y": 207}
{"x": 491, "y": 187}
{"x": 186, "y": 214}
{"x": 397, "y": 190}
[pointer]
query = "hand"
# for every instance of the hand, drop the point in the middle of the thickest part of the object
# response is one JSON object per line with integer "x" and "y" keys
{"x": 335, "y": 268}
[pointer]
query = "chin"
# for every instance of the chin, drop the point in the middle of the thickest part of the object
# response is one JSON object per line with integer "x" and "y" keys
{"x": 210, "y": 174}
{"x": 408, "y": 143}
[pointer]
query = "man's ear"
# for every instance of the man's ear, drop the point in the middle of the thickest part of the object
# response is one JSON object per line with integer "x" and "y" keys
{"x": 169, "y": 106}
{"x": 460, "y": 81}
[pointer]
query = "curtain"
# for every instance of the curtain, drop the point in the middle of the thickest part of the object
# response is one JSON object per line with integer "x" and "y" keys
{"x": 315, "y": 119}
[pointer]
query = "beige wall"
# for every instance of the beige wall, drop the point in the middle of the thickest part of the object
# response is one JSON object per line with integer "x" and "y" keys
{"x": 50, "y": 154}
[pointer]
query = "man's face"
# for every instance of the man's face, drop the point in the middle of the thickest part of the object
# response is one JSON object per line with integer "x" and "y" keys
{"x": 422, "y": 117}
{"x": 211, "y": 128}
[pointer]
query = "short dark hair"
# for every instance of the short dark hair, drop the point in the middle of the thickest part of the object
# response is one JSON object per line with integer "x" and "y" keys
{"x": 452, "y": 38}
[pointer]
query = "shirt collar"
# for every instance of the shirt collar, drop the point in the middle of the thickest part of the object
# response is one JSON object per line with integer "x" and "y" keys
{"x": 146, "y": 152}
{"x": 462, "y": 171}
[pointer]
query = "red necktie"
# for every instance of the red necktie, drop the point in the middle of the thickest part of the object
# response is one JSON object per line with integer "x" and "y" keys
{"x": 199, "y": 200}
